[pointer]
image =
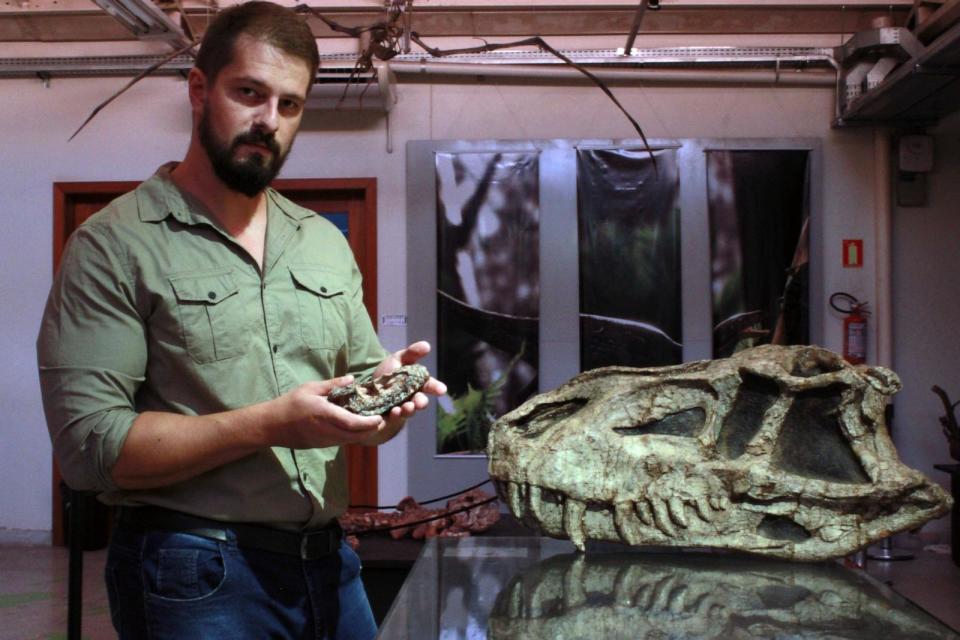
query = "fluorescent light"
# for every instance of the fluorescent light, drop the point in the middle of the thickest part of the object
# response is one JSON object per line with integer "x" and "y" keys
{"x": 145, "y": 20}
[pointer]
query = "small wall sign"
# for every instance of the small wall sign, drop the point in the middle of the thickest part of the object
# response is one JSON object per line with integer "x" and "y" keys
{"x": 393, "y": 320}
{"x": 853, "y": 253}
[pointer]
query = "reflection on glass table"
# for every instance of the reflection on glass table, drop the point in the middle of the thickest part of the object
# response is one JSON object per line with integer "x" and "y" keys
{"x": 529, "y": 588}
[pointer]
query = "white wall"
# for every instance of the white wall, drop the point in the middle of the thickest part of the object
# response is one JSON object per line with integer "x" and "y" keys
{"x": 150, "y": 125}
{"x": 926, "y": 303}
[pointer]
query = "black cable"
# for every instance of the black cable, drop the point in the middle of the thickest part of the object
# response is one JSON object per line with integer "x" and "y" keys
{"x": 393, "y": 506}
{"x": 416, "y": 522}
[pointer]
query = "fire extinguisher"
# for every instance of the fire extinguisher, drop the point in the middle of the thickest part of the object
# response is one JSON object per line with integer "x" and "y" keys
{"x": 854, "y": 326}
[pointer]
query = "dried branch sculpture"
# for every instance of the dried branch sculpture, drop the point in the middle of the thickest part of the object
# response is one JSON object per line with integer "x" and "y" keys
{"x": 540, "y": 43}
{"x": 140, "y": 76}
{"x": 474, "y": 511}
{"x": 387, "y": 38}
{"x": 949, "y": 421}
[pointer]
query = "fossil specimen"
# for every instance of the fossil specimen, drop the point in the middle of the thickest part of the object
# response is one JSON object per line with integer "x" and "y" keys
{"x": 780, "y": 451}
{"x": 472, "y": 512}
{"x": 371, "y": 396}
{"x": 647, "y": 595}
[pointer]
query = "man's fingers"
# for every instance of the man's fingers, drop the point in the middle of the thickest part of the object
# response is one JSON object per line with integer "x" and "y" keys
{"x": 324, "y": 387}
{"x": 359, "y": 424}
{"x": 342, "y": 381}
{"x": 434, "y": 387}
{"x": 413, "y": 353}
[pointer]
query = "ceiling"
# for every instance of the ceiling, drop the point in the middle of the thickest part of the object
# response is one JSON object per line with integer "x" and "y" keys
{"x": 900, "y": 65}
{"x": 83, "y": 21}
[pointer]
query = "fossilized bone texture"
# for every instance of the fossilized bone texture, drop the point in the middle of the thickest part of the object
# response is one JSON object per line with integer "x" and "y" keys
{"x": 373, "y": 396}
{"x": 780, "y": 451}
{"x": 644, "y": 595}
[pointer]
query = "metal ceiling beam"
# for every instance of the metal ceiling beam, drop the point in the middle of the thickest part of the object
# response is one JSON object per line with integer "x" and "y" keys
{"x": 785, "y": 59}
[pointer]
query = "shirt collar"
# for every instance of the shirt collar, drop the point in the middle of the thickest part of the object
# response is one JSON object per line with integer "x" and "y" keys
{"x": 158, "y": 197}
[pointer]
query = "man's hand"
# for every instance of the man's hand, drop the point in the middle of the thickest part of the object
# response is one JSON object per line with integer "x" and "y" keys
{"x": 310, "y": 420}
{"x": 307, "y": 420}
{"x": 164, "y": 448}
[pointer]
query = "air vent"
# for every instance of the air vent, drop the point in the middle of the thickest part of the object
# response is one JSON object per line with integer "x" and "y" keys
{"x": 343, "y": 88}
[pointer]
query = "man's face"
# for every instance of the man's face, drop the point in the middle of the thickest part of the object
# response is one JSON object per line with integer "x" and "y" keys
{"x": 251, "y": 113}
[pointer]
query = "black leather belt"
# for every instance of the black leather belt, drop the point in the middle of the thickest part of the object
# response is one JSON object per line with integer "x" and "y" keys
{"x": 308, "y": 545}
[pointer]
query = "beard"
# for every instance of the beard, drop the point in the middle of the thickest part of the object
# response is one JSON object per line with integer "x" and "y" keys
{"x": 250, "y": 175}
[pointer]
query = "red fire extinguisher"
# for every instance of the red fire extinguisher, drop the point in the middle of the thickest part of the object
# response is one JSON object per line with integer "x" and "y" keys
{"x": 854, "y": 326}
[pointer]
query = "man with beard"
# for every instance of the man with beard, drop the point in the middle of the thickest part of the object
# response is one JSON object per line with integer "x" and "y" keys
{"x": 187, "y": 349}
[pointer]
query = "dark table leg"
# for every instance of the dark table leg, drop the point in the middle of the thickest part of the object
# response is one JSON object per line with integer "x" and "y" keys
{"x": 75, "y": 517}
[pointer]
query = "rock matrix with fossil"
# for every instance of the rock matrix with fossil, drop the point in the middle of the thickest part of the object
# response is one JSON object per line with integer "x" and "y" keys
{"x": 373, "y": 396}
{"x": 781, "y": 451}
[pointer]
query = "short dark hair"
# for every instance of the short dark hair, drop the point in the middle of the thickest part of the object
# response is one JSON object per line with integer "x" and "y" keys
{"x": 277, "y": 26}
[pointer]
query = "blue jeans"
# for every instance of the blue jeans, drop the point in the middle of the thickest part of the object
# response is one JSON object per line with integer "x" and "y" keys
{"x": 177, "y": 586}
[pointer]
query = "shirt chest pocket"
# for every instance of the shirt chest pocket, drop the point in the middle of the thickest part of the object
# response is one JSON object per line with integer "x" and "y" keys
{"x": 322, "y": 303}
{"x": 211, "y": 315}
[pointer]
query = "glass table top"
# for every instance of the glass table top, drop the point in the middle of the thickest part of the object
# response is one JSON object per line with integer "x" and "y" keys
{"x": 530, "y": 588}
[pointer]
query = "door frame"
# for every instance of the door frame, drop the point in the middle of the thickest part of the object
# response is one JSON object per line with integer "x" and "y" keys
{"x": 360, "y": 195}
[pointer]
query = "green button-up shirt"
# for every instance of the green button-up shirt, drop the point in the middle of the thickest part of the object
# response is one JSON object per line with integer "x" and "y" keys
{"x": 156, "y": 308}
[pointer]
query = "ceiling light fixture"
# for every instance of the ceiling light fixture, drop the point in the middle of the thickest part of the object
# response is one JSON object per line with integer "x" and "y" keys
{"x": 145, "y": 20}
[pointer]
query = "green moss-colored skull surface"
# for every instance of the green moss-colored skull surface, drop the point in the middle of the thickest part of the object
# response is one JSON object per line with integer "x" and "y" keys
{"x": 782, "y": 451}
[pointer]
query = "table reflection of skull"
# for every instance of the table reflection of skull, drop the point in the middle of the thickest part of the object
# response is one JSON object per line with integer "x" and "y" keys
{"x": 691, "y": 595}
{"x": 781, "y": 451}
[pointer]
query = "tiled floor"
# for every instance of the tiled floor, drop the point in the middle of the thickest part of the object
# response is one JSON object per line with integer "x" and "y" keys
{"x": 33, "y": 586}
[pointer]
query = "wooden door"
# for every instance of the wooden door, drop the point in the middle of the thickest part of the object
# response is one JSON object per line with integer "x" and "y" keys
{"x": 349, "y": 203}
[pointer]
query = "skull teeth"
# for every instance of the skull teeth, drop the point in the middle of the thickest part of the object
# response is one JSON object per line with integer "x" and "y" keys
{"x": 661, "y": 517}
{"x": 515, "y": 494}
{"x": 535, "y": 498}
{"x": 625, "y": 519}
{"x": 643, "y": 510}
{"x": 677, "y": 512}
{"x": 559, "y": 515}
{"x": 573, "y": 514}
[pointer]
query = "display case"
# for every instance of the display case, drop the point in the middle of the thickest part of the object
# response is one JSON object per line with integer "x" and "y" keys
{"x": 527, "y": 588}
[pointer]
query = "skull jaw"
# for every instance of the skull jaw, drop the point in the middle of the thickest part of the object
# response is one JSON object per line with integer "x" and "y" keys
{"x": 779, "y": 528}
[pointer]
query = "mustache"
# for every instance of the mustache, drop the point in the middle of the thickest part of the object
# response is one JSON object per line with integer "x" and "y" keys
{"x": 258, "y": 137}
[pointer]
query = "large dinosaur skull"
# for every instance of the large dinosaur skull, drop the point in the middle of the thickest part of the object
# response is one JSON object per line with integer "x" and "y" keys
{"x": 781, "y": 451}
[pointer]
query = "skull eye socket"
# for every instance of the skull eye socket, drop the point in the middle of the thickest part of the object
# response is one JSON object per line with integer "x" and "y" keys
{"x": 687, "y": 423}
{"x": 546, "y": 415}
{"x": 811, "y": 442}
{"x": 755, "y": 395}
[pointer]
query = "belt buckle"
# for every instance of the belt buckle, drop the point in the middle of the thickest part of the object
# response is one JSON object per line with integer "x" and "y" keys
{"x": 306, "y": 548}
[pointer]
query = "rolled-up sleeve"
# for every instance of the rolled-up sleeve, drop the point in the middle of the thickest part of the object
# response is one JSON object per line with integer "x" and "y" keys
{"x": 92, "y": 355}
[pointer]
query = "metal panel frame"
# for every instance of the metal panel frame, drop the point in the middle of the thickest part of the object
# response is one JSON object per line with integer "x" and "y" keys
{"x": 559, "y": 268}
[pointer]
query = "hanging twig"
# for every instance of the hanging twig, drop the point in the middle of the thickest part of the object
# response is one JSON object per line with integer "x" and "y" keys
{"x": 949, "y": 418}
{"x": 541, "y": 44}
{"x": 185, "y": 22}
{"x": 386, "y": 37}
{"x": 143, "y": 74}
{"x": 635, "y": 27}
{"x": 431, "y": 501}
